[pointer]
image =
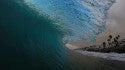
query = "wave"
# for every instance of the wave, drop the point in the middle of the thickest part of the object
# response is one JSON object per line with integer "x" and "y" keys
{"x": 33, "y": 31}
{"x": 28, "y": 41}
{"x": 83, "y": 19}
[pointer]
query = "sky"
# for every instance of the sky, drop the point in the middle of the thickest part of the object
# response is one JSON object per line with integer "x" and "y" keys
{"x": 115, "y": 21}
{"x": 115, "y": 24}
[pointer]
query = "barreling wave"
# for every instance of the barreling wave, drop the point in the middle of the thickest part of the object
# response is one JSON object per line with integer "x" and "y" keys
{"x": 29, "y": 41}
{"x": 31, "y": 37}
{"x": 84, "y": 19}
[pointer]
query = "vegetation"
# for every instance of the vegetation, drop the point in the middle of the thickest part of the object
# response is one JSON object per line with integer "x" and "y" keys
{"x": 114, "y": 44}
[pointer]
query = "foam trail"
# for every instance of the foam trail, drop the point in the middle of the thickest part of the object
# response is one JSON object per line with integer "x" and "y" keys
{"x": 108, "y": 56}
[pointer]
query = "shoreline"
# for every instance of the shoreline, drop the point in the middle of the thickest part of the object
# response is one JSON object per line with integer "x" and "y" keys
{"x": 107, "y": 56}
{"x": 112, "y": 22}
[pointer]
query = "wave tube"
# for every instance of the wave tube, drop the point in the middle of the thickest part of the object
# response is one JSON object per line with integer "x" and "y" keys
{"x": 31, "y": 37}
{"x": 84, "y": 19}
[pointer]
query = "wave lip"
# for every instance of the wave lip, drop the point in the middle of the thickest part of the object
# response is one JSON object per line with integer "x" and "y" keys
{"x": 85, "y": 19}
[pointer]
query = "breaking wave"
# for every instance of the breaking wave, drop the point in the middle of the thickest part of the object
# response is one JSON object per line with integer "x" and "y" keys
{"x": 33, "y": 31}
{"x": 82, "y": 19}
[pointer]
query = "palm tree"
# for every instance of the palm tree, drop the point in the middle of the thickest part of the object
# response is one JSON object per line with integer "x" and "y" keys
{"x": 104, "y": 45}
{"x": 116, "y": 41}
{"x": 119, "y": 36}
{"x": 110, "y": 37}
{"x": 116, "y": 37}
{"x": 109, "y": 40}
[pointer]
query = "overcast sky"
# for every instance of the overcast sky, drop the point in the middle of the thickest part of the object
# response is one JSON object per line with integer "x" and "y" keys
{"x": 115, "y": 24}
{"x": 115, "y": 21}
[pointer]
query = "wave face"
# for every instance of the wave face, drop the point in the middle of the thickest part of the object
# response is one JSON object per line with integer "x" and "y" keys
{"x": 84, "y": 19}
{"x": 32, "y": 31}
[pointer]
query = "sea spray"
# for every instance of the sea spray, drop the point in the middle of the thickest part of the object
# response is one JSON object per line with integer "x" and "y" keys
{"x": 84, "y": 19}
{"x": 29, "y": 41}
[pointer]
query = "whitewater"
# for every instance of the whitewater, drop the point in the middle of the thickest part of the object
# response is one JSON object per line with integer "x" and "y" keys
{"x": 108, "y": 56}
{"x": 78, "y": 19}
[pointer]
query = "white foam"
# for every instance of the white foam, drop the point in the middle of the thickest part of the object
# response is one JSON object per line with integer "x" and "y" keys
{"x": 108, "y": 56}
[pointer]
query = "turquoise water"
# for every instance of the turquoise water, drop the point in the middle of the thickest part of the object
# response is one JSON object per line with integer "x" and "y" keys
{"x": 32, "y": 35}
{"x": 28, "y": 41}
{"x": 84, "y": 19}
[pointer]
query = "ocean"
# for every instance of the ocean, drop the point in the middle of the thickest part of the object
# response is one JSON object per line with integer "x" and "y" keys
{"x": 33, "y": 34}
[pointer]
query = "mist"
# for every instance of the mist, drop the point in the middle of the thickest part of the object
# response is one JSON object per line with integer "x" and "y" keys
{"x": 115, "y": 22}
